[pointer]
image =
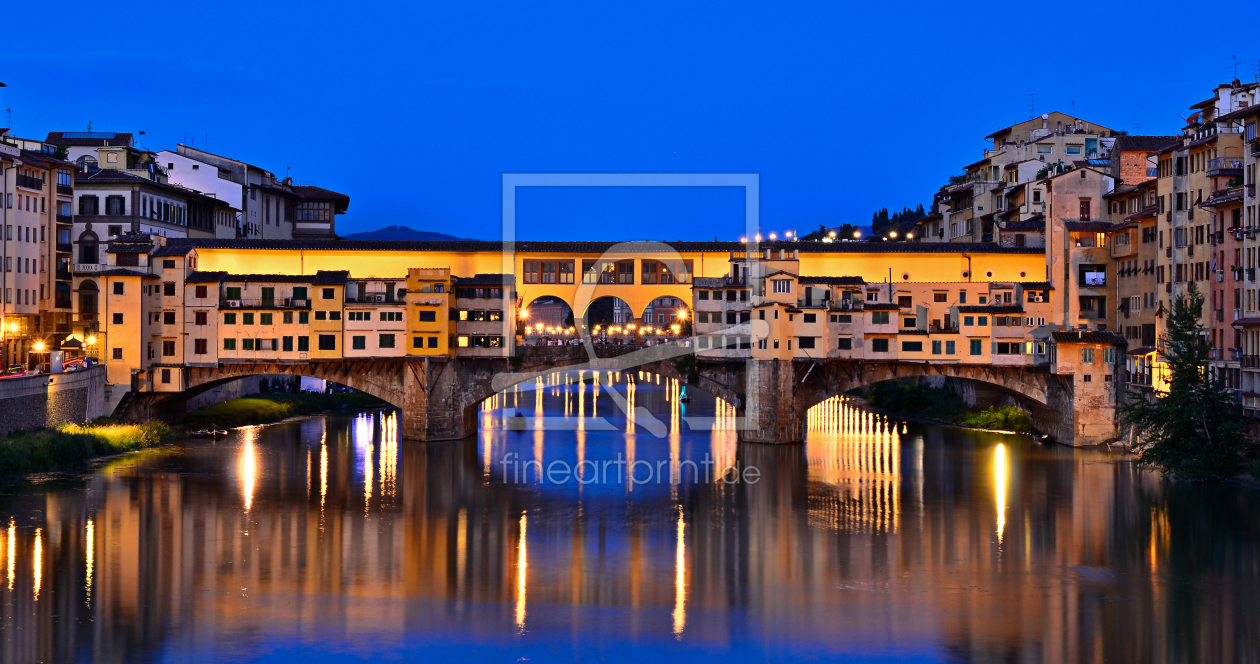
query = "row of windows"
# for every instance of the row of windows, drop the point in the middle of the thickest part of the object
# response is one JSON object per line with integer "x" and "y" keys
{"x": 247, "y": 318}
{"x": 386, "y": 316}
{"x": 607, "y": 272}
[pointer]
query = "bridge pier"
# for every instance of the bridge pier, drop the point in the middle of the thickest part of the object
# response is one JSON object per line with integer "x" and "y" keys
{"x": 772, "y": 413}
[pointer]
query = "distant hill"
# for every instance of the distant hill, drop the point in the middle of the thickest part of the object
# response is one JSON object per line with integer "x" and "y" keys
{"x": 399, "y": 233}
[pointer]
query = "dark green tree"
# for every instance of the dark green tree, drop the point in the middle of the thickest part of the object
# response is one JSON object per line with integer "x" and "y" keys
{"x": 1195, "y": 430}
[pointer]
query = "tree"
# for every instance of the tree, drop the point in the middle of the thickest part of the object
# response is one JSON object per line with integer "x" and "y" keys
{"x": 1195, "y": 430}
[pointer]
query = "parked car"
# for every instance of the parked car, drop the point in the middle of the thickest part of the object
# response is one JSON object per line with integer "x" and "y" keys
{"x": 13, "y": 372}
{"x": 77, "y": 364}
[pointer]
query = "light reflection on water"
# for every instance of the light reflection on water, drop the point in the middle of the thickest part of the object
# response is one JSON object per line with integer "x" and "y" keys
{"x": 878, "y": 539}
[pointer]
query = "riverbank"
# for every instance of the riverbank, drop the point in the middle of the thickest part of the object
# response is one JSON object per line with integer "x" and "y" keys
{"x": 914, "y": 399}
{"x": 72, "y": 445}
{"x": 268, "y": 408}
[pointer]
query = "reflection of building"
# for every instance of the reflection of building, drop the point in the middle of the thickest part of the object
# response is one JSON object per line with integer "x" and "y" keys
{"x": 663, "y": 311}
{"x": 548, "y": 312}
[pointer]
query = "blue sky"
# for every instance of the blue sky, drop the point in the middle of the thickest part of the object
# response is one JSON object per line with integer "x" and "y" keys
{"x": 416, "y": 109}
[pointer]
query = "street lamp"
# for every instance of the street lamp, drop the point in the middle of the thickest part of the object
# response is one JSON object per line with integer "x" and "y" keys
{"x": 772, "y": 237}
{"x": 893, "y": 235}
{"x": 857, "y": 235}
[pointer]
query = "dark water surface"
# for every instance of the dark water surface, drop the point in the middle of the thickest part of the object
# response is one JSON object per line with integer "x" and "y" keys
{"x": 328, "y": 539}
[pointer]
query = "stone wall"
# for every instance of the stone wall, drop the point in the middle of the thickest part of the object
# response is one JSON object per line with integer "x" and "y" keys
{"x": 50, "y": 400}
{"x": 235, "y": 389}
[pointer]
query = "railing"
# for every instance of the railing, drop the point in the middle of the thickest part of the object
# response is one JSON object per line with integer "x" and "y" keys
{"x": 1250, "y": 361}
{"x": 1235, "y": 353}
{"x": 265, "y": 303}
{"x": 88, "y": 268}
{"x": 371, "y": 298}
{"x": 1224, "y": 163}
{"x": 64, "y": 247}
{"x": 1214, "y": 353}
{"x": 65, "y": 219}
{"x": 1237, "y": 314}
{"x": 30, "y": 182}
{"x": 65, "y": 189}
{"x": 812, "y": 302}
{"x": 63, "y": 275}
{"x": 847, "y": 305}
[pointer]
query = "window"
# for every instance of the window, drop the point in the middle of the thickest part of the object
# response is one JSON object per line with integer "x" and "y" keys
{"x": 781, "y": 285}
{"x": 844, "y": 343}
{"x": 909, "y": 322}
{"x": 433, "y": 342}
{"x": 1087, "y": 355}
{"x": 1109, "y": 355}
{"x": 1074, "y": 149}
{"x": 232, "y": 293}
{"x": 117, "y": 318}
{"x": 386, "y": 341}
{"x": 247, "y": 344}
{"x": 328, "y": 342}
{"x": 115, "y": 205}
{"x": 287, "y": 317}
{"x": 703, "y": 295}
{"x": 321, "y": 315}
{"x": 168, "y": 317}
{"x": 940, "y": 297}
{"x": 462, "y": 341}
{"x": 879, "y": 317}
{"x": 809, "y": 318}
{"x": 1045, "y": 149}
{"x": 982, "y": 320}
{"x": 265, "y": 319}
{"x": 200, "y": 292}
{"x": 356, "y": 343}
{"x": 199, "y": 346}
{"x": 969, "y": 320}
{"x": 304, "y": 317}
{"x": 936, "y": 348}
{"x": 287, "y": 344}
{"x": 949, "y": 347}
{"x": 806, "y": 342}
{"x": 842, "y": 318}
{"x": 229, "y": 319}
{"x": 118, "y": 354}
{"x": 304, "y": 344}
{"x": 247, "y": 319}
{"x": 168, "y": 348}
{"x": 118, "y": 288}
{"x": 299, "y": 292}
{"x": 879, "y": 345}
{"x": 166, "y": 375}
{"x": 912, "y": 346}
{"x": 334, "y": 315}
{"x": 327, "y": 293}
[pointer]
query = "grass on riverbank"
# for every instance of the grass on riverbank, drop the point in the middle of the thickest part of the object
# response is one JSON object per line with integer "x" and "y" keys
{"x": 267, "y": 408}
{"x": 917, "y": 399}
{"x": 72, "y": 445}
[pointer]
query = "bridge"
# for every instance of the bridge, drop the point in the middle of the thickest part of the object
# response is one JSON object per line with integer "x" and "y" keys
{"x": 439, "y": 399}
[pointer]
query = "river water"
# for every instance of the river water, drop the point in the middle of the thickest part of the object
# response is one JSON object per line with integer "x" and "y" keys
{"x": 328, "y": 539}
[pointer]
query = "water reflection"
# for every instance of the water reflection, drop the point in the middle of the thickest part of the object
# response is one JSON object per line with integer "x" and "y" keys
{"x": 877, "y": 538}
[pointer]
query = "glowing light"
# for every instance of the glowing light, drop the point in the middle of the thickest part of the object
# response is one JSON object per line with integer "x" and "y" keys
{"x": 1001, "y": 476}
{"x": 91, "y": 341}
{"x": 39, "y": 561}
{"x": 12, "y": 552}
{"x": 773, "y": 236}
{"x": 522, "y": 566}
{"x": 857, "y": 234}
{"x": 90, "y": 543}
{"x": 831, "y": 234}
{"x": 682, "y": 314}
{"x": 757, "y": 237}
{"x": 247, "y": 467}
{"x": 524, "y": 314}
{"x": 787, "y": 233}
{"x": 909, "y": 236}
{"x": 892, "y": 234}
{"x": 744, "y": 239}
{"x": 38, "y": 346}
{"x": 680, "y": 579}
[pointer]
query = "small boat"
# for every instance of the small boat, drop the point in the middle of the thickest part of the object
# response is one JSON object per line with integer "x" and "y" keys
{"x": 218, "y": 432}
{"x": 683, "y": 397}
{"x": 202, "y": 433}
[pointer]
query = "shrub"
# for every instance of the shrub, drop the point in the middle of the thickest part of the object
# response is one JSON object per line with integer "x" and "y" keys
{"x": 1003, "y": 418}
{"x": 71, "y": 445}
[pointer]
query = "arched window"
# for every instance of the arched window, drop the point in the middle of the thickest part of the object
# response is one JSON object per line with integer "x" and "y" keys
{"x": 88, "y": 248}
{"x": 86, "y": 163}
{"x": 87, "y": 300}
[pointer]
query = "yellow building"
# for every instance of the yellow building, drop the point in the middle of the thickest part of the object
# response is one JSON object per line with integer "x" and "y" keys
{"x": 428, "y": 310}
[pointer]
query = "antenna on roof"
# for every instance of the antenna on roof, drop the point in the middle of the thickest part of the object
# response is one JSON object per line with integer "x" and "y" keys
{"x": 1032, "y": 107}
{"x": 1072, "y": 104}
{"x": 1235, "y": 59}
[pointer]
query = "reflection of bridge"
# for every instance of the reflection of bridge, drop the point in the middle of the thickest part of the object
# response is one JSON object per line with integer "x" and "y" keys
{"x": 439, "y": 398}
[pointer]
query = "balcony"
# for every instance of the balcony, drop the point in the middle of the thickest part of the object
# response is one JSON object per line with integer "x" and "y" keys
{"x": 1237, "y": 315}
{"x": 65, "y": 247}
{"x": 1225, "y": 167}
{"x": 65, "y": 219}
{"x": 1251, "y": 190}
{"x": 63, "y": 275}
{"x": 30, "y": 182}
{"x": 265, "y": 303}
{"x": 1249, "y": 361}
{"x": 374, "y": 298}
{"x": 88, "y": 268}
{"x": 65, "y": 189}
